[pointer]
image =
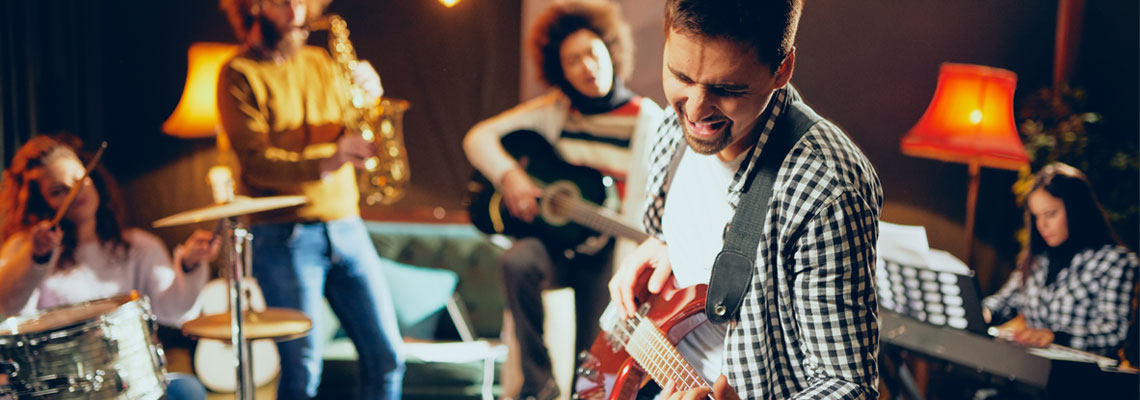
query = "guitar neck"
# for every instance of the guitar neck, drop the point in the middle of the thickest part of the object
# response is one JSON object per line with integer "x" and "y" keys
{"x": 601, "y": 219}
{"x": 653, "y": 352}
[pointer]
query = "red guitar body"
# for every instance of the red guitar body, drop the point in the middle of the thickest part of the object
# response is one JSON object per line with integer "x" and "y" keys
{"x": 608, "y": 372}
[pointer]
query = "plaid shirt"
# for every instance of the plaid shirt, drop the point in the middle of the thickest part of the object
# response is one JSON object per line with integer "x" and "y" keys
{"x": 1089, "y": 300}
{"x": 808, "y": 326}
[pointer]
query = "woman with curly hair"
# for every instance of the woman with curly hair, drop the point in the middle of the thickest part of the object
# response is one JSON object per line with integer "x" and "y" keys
{"x": 1074, "y": 281}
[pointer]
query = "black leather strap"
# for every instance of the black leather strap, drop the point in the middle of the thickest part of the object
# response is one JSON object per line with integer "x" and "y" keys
{"x": 732, "y": 271}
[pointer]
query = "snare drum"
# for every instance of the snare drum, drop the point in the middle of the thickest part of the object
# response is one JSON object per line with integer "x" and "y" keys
{"x": 102, "y": 349}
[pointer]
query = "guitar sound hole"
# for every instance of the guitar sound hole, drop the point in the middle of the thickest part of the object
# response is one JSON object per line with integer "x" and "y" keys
{"x": 558, "y": 201}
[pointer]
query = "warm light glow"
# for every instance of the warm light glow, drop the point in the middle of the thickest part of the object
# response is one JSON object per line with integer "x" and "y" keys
{"x": 197, "y": 112}
{"x": 449, "y": 3}
{"x": 969, "y": 119}
{"x": 976, "y": 117}
{"x": 221, "y": 181}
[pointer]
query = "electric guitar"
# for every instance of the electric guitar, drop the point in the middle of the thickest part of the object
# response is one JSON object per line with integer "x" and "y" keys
{"x": 630, "y": 350}
{"x": 570, "y": 211}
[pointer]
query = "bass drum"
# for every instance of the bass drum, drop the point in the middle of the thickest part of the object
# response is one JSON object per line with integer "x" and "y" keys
{"x": 101, "y": 349}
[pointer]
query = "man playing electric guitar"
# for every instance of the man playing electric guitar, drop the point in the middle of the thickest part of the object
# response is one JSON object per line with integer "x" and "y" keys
{"x": 584, "y": 49}
{"x": 807, "y": 325}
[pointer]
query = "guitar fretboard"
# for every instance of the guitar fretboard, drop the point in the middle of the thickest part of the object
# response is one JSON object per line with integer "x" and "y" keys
{"x": 649, "y": 347}
{"x": 600, "y": 219}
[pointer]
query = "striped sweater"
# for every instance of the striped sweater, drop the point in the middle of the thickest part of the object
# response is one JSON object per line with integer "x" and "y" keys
{"x": 612, "y": 142}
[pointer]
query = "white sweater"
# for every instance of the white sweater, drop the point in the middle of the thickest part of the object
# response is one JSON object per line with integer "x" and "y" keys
{"x": 98, "y": 273}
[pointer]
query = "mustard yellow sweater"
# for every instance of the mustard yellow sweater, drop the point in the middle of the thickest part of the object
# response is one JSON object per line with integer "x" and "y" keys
{"x": 282, "y": 119}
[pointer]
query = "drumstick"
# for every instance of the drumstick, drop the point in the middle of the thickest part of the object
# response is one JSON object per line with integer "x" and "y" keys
{"x": 75, "y": 189}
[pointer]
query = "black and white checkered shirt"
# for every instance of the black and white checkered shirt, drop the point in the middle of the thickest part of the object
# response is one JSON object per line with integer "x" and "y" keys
{"x": 1089, "y": 300}
{"x": 808, "y": 326}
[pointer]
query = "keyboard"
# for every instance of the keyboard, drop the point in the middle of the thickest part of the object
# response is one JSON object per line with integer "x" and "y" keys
{"x": 1055, "y": 369}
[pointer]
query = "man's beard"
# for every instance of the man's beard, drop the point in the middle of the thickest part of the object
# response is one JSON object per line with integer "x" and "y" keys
{"x": 285, "y": 43}
{"x": 710, "y": 145}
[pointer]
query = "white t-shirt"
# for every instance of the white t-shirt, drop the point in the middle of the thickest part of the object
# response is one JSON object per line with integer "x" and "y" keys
{"x": 696, "y": 212}
{"x": 99, "y": 273}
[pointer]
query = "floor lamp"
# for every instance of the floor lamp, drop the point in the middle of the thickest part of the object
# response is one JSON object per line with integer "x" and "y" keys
{"x": 196, "y": 116}
{"x": 970, "y": 121}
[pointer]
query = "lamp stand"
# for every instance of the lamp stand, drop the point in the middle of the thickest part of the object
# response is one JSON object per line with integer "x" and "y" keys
{"x": 975, "y": 172}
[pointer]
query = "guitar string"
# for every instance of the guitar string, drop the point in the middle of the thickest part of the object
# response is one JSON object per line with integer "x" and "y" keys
{"x": 667, "y": 363}
{"x": 673, "y": 357}
{"x": 664, "y": 361}
{"x": 589, "y": 215}
{"x": 653, "y": 348}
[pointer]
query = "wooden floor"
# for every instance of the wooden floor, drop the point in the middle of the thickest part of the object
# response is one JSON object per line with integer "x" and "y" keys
{"x": 267, "y": 392}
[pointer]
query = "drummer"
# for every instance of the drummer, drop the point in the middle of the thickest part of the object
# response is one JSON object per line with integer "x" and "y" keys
{"x": 89, "y": 255}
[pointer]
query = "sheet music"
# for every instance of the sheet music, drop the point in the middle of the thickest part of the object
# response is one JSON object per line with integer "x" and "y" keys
{"x": 1057, "y": 352}
{"x": 905, "y": 244}
{"x": 943, "y": 261}
{"x": 927, "y": 284}
{"x": 908, "y": 245}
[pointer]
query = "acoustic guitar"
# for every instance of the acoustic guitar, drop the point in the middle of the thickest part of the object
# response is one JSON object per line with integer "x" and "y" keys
{"x": 570, "y": 210}
{"x": 629, "y": 350}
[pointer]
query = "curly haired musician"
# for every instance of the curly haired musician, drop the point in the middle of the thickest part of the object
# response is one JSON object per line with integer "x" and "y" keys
{"x": 281, "y": 106}
{"x": 808, "y": 324}
{"x": 584, "y": 50}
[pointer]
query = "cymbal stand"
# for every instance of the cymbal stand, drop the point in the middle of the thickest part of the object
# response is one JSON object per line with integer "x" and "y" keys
{"x": 239, "y": 240}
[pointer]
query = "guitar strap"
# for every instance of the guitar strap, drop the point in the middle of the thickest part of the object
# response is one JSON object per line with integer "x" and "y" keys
{"x": 732, "y": 271}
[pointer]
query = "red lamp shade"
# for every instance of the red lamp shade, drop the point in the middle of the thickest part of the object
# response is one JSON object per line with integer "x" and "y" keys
{"x": 970, "y": 119}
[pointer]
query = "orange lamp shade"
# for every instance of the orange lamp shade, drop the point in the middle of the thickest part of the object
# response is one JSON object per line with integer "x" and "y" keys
{"x": 969, "y": 119}
{"x": 197, "y": 112}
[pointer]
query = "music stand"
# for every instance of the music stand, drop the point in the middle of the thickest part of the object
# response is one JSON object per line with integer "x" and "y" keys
{"x": 927, "y": 293}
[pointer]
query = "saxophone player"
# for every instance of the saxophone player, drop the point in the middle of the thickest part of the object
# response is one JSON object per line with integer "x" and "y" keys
{"x": 281, "y": 103}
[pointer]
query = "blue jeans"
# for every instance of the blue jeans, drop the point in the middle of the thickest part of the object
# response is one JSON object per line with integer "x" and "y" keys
{"x": 184, "y": 387}
{"x": 297, "y": 266}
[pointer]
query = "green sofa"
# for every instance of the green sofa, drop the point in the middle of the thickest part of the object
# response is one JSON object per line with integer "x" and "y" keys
{"x": 432, "y": 260}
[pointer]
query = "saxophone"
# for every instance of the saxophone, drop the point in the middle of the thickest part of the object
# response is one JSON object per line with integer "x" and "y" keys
{"x": 386, "y": 173}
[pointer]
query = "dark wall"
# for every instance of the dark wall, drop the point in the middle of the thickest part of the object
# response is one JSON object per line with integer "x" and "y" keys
{"x": 115, "y": 70}
{"x": 873, "y": 67}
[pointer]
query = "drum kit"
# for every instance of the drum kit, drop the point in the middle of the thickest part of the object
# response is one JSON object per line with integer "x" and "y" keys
{"x": 107, "y": 349}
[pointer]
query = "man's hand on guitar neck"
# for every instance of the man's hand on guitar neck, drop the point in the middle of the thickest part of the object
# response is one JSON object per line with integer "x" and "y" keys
{"x": 720, "y": 391}
{"x": 520, "y": 194}
{"x": 651, "y": 254}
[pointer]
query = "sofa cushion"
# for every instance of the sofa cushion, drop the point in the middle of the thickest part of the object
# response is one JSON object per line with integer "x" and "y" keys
{"x": 459, "y": 248}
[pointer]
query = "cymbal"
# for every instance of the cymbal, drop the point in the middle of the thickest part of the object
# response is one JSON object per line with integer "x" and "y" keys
{"x": 239, "y": 206}
{"x": 274, "y": 323}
